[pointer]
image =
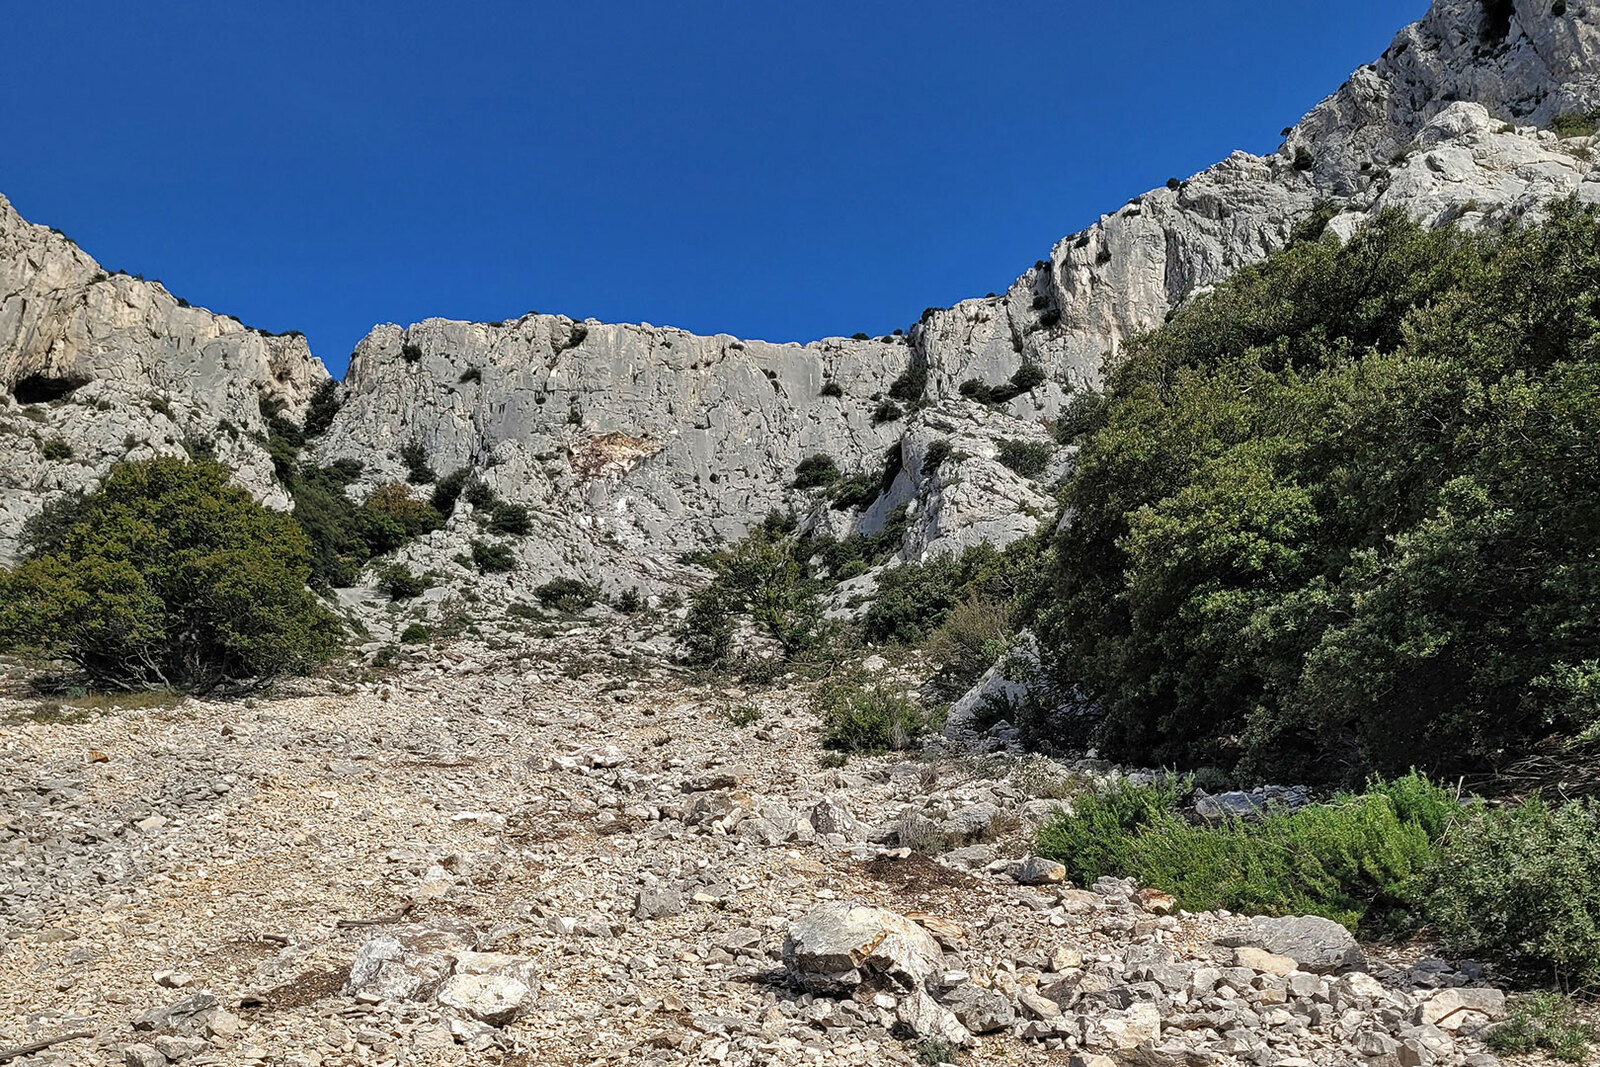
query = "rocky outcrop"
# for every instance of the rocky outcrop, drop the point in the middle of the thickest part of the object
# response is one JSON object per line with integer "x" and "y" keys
{"x": 634, "y": 444}
{"x": 96, "y": 367}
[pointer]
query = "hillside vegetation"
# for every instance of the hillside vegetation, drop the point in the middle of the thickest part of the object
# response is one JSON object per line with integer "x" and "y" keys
{"x": 166, "y": 576}
{"x": 1341, "y": 516}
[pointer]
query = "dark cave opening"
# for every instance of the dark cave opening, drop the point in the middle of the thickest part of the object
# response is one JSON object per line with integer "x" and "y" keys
{"x": 42, "y": 388}
{"x": 1497, "y": 15}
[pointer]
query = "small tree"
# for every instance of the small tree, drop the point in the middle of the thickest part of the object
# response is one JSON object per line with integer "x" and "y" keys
{"x": 168, "y": 576}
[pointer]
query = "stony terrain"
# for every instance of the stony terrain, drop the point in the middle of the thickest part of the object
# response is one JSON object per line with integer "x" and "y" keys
{"x": 563, "y": 851}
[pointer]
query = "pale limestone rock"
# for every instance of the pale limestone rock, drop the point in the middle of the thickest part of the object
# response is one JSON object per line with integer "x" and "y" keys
{"x": 835, "y": 947}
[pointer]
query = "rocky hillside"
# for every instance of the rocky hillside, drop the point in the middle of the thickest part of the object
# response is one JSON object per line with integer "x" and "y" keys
{"x": 559, "y": 854}
{"x": 633, "y": 444}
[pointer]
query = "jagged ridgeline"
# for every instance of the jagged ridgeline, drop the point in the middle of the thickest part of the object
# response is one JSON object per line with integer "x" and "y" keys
{"x": 542, "y": 462}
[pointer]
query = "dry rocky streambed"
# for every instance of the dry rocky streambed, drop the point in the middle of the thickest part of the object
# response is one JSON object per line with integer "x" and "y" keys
{"x": 488, "y": 860}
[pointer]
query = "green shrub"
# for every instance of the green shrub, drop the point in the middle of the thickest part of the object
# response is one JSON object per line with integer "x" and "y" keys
{"x": 764, "y": 577}
{"x": 415, "y": 634}
{"x": 911, "y": 384}
{"x": 974, "y": 635}
{"x": 168, "y": 576}
{"x": 815, "y": 471}
{"x": 887, "y": 411}
{"x": 631, "y": 601}
{"x": 397, "y": 582}
{"x": 1576, "y": 124}
{"x": 412, "y": 353}
{"x": 323, "y": 407}
{"x": 833, "y": 389}
{"x": 448, "y": 490}
{"x": 481, "y": 496}
{"x": 471, "y": 374}
{"x": 977, "y": 389}
{"x": 511, "y": 520}
{"x": 1304, "y": 159}
{"x": 491, "y": 558}
{"x": 391, "y": 516}
{"x": 566, "y": 594}
{"x": 914, "y": 599}
{"x": 707, "y": 635}
{"x": 1358, "y": 857}
{"x": 415, "y": 458}
{"x": 1544, "y": 1022}
{"x": 856, "y": 491}
{"x": 1028, "y": 458}
{"x": 933, "y": 459}
{"x": 1084, "y": 414}
{"x": 1029, "y": 377}
{"x": 859, "y": 716}
{"x": 860, "y": 337}
{"x": 1522, "y": 884}
{"x": 55, "y": 449}
{"x": 1326, "y": 524}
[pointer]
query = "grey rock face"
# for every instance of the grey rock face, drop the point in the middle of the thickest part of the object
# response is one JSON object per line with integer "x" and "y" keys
{"x": 631, "y": 444}
{"x": 117, "y": 367}
{"x": 1318, "y": 945}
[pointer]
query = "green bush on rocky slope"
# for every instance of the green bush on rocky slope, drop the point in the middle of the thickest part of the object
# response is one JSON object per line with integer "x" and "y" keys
{"x": 166, "y": 576}
{"x": 1517, "y": 884}
{"x": 1340, "y": 516}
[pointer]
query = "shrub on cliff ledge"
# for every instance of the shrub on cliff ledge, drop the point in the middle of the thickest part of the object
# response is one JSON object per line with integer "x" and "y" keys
{"x": 168, "y": 576}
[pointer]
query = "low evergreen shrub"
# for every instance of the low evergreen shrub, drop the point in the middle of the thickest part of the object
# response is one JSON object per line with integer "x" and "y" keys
{"x": 859, "y": 716}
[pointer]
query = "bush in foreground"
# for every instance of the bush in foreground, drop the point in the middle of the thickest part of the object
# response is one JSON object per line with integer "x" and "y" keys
{"x": 1522, "y": 884}
{"x": 1544, "y": 1022}
{"x": 1336, "y": 517}
{"x": 1359, "y": 857}
{"x": 167, "y": 576}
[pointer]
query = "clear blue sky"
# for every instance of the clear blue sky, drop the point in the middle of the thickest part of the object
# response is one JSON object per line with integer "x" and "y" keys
{"x": 781, "y": 171}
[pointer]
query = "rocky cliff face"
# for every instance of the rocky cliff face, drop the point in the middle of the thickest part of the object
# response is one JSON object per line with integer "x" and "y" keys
{"x": 96, "y": 367}
{"x": 634, "y": 443}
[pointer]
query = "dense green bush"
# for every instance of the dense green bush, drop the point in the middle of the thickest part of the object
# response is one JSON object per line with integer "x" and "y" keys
{"x": 1028, "y": 458}
{"x": 55, "y": 448}
{"x": 1576, "y": 124}
{"x": 509, "y": 519}
{"x": 862, "y": 716}
{"x": 566, "y": 594}
{"x": 1339, "y": 515}
{"x": 399, "y": 582}
{"x": 415, "y": 457}
{"x": 492, "y": 558}
{"x": 1358, "y": 857}
{"x": 167, "y": 576}
{"x": 415, "y": 634}
{"x": 447, "y": 490}
{"x": 323, "y": 407}
{"x": 887, "y": 411}
{"x": 910, "y": 385}
{"x": 1523, "y": 884}
{"x": 972, "y": 637}
{"x": 815, "y": 471}
{"x": 914, "y": 599}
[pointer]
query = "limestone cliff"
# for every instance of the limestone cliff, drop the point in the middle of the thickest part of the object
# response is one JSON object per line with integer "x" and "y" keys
{"x": 632, "y": 444}
{"x": 95, "y": 367}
